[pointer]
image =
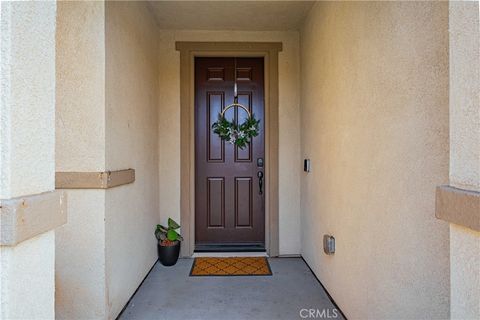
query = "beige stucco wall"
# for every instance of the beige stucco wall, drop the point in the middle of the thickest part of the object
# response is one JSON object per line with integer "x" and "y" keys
{"x": 107, "y": 97}
{"x": 80, "y": 146}
{"x": 131, "y": 142}
{"x": 465, "y": 152}
{"x": 464, "y": 95}
{"x": 375, "y": 126}
{"x": 465, "y": 273}
{"x": 80, "y": 91}
{"x": 27, "y": 151}
{"x": 27, "y": 99}
{"x": 80, "y": 288}
{"x": 27, "y": 279}
{"x": 289, "y": 122}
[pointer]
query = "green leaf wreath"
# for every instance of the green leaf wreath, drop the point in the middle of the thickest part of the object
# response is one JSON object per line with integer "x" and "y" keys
{"x": 237, "y": 135}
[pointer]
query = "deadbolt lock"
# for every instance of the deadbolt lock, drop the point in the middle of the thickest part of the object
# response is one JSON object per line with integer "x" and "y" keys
{"x": 260, "y": 162}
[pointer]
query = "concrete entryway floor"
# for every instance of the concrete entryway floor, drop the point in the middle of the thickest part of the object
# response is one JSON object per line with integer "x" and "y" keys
{"x": 170, "y": 293}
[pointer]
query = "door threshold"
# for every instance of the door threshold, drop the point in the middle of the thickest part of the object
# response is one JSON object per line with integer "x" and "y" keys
{"x": 229, "y": 254}
{"x": 230, "y": 247}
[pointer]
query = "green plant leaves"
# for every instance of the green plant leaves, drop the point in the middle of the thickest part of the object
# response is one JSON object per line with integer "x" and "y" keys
{"x": 238, "y": 135}
{"x": 161, "y": 232}
{"x": 172, "y": 235}
{"x": 164, "y": 233}
{"x": 172, "y": 224}
{"x": 161, "y": 228}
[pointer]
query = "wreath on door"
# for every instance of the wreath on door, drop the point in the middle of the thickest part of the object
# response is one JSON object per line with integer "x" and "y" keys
{"x": 230, "y": 131}
{"x": 239, "y": 135}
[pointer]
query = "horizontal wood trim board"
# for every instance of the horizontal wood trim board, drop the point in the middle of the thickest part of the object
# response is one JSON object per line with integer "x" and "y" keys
{"x": 228, "y": 46}
{"x": 94, "y": 180}
{"x": 23, "y": 218}
{"x": 458, "y": 206}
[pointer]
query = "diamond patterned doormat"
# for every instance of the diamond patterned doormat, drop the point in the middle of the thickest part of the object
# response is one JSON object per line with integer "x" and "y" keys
{"x": 231, "y": 266}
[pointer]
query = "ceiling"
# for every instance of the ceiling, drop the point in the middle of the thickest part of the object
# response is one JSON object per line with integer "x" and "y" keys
{"x": 230, "y": 15}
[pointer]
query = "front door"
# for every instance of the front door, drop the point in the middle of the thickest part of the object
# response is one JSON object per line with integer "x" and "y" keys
{"x": 229, "y": 195}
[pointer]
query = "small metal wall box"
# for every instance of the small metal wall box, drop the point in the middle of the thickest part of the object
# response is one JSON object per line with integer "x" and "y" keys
{"x": 328, "y": 244}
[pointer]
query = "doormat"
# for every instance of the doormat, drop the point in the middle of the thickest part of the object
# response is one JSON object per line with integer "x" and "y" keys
{"x": 230, "y": 266}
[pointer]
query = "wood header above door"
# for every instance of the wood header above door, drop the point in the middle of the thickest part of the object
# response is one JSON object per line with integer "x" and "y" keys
{"x": 228, "y": 46}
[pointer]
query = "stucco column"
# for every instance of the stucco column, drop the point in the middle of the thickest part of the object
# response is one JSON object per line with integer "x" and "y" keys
{"x": 106, "y": 159}
{"x": 465, "y": 156}
{"x": 81, "y": 291}
{"x": 30, "y": 209}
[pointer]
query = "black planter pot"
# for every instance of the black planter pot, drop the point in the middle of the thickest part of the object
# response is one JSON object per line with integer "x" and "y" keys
{"x": 168, "y": 255}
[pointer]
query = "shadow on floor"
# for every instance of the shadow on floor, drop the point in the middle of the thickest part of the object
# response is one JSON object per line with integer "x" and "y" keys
{"x": 291, "y": 293}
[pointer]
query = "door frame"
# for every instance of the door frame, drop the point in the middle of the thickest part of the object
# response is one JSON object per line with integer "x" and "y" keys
{"x": 188, "y": 51}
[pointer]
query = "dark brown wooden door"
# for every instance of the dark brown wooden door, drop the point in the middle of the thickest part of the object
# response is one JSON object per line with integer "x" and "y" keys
{"x": 229, "y": 207}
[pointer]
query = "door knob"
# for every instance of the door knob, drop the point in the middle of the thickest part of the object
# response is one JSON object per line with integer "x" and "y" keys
{"x": 260, "y": 182}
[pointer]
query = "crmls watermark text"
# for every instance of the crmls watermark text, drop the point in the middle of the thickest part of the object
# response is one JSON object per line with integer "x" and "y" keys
{"x": 318, "y": 313}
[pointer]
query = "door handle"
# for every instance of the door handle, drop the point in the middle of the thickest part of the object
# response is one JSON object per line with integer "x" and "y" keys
{"x": 260, "y": 182}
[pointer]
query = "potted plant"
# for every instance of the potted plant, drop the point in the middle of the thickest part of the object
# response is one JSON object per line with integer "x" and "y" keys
{"x": 168, "y": 242}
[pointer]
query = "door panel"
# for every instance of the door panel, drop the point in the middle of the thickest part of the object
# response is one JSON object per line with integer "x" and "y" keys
{"x": 229, "y": 208}
{"x": 215, "y": 145}
{"x": 216, "y": 202}
{"x": 243, "y": 202}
